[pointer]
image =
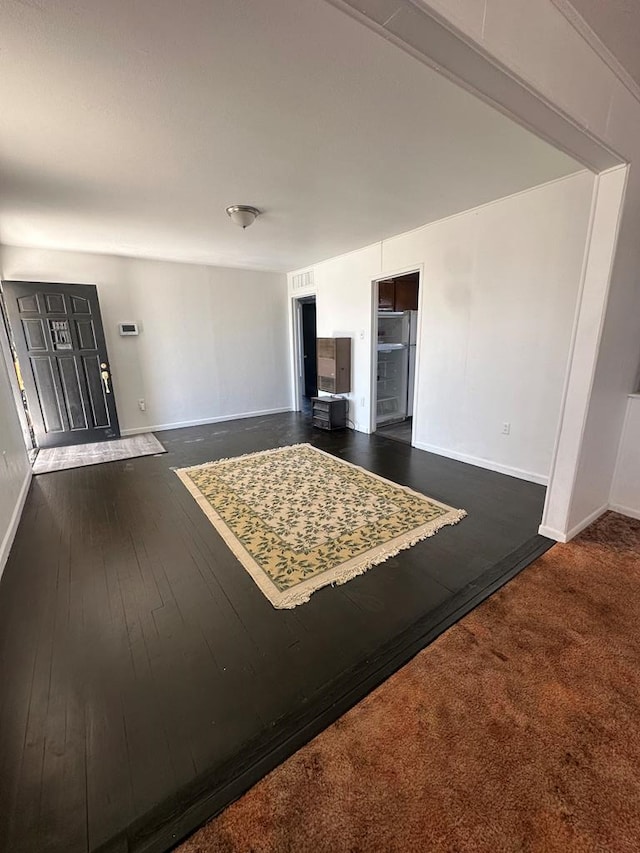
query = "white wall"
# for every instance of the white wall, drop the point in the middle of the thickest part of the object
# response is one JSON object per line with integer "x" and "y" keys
{"x": 497, "y": 305}
{"x": 213, "y": 341}
{"x": 15, "y": 470}
{"x": 498, "y": 299}
{"x": 343, "y": 305}
{"x": 625, "y": 492}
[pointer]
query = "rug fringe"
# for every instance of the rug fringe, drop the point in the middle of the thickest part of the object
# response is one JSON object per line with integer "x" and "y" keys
{"x": 294, "y": 597}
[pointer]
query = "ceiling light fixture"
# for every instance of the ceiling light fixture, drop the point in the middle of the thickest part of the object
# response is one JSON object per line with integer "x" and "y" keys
{"x": 242, "y": 214}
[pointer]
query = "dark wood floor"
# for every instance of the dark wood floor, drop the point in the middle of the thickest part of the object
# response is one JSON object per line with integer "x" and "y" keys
{"x": 146, "y": 682}
{"x": 399, "y": 432}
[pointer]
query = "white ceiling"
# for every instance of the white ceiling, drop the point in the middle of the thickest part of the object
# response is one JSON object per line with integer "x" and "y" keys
{"x": 617, "y": 24}
{"x": 128, "y": 127}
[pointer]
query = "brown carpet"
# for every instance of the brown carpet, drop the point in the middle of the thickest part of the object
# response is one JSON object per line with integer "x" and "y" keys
{"x": 517, "y": 730}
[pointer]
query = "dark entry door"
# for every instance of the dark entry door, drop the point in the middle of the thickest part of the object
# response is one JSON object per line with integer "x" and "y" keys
{"x": 58, "y": 335}
{"x": 309, "y": 349}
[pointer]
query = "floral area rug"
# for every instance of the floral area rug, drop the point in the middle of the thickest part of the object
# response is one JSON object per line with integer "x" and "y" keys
{"x": 299, "y": 519}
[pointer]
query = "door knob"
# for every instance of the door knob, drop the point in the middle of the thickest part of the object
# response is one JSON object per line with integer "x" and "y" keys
{"x": 105, "y": 378}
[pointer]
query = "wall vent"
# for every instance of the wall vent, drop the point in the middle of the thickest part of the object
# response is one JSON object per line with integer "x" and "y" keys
{"x": 302, "y": 280}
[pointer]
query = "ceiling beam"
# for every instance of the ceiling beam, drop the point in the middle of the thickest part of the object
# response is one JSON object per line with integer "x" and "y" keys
{"x": 422, "y": 33}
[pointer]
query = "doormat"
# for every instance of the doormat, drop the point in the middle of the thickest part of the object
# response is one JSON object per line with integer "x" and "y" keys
{"x": 59, "y": 458}
{"x": 298, "y": 518}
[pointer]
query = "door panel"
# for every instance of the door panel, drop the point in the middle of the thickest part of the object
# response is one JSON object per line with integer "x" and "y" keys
{"x": 48, "y": 397}
{"x": 71, "y": 387}
{"x": 55, "y": 303}
{"x": 58, "y": 334}
{"x": 97, "y": 396}
{"x": 80, "y": 305}
{"x": 34, "y": 335}
{"x": 28, "y": 303}
{"x": 86, "y": 336}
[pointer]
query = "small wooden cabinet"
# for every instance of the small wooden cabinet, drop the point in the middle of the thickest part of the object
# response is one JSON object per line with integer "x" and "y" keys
{"x": 334, "y": 365}
{"x": 329, "y": 412}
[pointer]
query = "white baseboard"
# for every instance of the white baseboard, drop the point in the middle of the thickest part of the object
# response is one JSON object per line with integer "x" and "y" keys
{"x": 203, "y": 421}
{"x": 9, "y": 536}
{"x": 484, "y": 463}
{"x": 561, "y": 536}
{"x": 552, "y": 533}
{"x": 625, "y": 510}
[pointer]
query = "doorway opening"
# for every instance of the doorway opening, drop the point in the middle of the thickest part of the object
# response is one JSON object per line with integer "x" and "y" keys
{"x": 396, "y": 300}
{"x": 307, "y": 355}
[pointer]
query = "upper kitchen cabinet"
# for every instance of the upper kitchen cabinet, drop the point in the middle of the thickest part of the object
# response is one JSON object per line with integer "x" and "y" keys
{"x": 399, "y": 293}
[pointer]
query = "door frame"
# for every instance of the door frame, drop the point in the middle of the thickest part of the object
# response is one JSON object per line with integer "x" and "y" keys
{"x": 373, "y": 387}
{"x": 297, "y": 353}
{"x": 19, "y": 399}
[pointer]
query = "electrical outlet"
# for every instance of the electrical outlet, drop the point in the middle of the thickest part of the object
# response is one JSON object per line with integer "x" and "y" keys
{"x": 506, "y": 428}
{"x": 361, "y": 334}
{"x": 142, "y": 405}
{"x": 362, "y": 401}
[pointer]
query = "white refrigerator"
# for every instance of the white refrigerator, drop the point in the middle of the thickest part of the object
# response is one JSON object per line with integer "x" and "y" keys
{"x": 395, "y": 366}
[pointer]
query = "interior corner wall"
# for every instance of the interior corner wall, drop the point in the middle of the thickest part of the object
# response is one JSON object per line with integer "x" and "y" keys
{"x": 497, "y": 304}
{"x": 15, "y": 469}
{"x": 213, "y": 341}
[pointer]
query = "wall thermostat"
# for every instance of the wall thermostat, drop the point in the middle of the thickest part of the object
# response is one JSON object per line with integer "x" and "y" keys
{"x": 128, "y": 328}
